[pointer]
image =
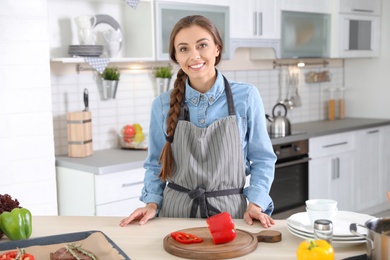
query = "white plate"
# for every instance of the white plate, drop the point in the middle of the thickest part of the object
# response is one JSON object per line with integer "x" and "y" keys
{"x": 300, "y": 221}
{"x": 335, "y": 238}
{"x": 335, "y": 243}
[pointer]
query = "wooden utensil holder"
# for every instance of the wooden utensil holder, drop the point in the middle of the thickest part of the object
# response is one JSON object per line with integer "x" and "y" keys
{"x": 79, "y": 125}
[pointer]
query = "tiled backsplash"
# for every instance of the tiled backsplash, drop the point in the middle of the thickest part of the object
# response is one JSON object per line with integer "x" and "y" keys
{"x": 135, "y": 95}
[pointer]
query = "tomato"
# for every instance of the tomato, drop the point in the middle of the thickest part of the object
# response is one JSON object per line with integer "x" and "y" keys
{"x": 185, "y": 238}
{"x": 128, "y": 131}
{"x": 17, "y": 255}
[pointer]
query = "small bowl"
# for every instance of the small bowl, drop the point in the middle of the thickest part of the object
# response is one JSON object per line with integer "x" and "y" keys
{"x": 321, "y": 214}
{"x": 130, "y": 143}
{"x": 321, "y": 204}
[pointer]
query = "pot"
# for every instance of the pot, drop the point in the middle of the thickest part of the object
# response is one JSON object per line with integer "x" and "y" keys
{"x": 377, "y": 239}
{"x": 279, "y": 124}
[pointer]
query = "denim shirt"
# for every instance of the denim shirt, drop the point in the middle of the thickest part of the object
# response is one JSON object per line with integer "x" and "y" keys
{"x": 204, "y": 109}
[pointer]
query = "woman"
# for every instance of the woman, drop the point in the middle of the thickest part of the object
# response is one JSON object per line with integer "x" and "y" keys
{"x": 205, "y": 136}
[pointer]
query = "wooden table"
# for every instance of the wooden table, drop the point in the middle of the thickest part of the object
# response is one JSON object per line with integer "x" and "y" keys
{"x": 146, "y": 242}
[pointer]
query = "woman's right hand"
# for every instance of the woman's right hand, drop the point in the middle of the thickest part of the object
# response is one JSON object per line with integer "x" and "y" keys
{"x": 141, "y": 214}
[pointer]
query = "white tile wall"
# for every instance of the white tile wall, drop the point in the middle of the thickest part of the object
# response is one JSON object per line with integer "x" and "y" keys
{"x": 135, "y": 94}
{"x": 27, "y": 160}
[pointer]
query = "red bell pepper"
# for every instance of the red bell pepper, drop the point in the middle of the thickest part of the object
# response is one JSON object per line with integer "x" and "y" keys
{"x": 17, "y": 255}
{"x": 221, "y": 227}
{"x": 185, "y": 238}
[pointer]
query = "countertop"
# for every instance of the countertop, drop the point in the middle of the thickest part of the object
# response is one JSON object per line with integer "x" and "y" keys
{"x": 115, "y": 160}
{"x": 146, "y": 242}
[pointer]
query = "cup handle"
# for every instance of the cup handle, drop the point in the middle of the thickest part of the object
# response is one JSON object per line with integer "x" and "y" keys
{"x": 93, "y": 20}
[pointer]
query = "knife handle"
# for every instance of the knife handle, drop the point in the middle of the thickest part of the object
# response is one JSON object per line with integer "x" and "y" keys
{"x": 86, "y": 99}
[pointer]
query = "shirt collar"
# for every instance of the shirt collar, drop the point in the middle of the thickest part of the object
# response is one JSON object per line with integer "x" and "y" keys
{"x": 212, "y": 95}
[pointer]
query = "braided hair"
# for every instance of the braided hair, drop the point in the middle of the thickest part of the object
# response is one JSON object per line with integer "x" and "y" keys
{"x": 178, "y": 92}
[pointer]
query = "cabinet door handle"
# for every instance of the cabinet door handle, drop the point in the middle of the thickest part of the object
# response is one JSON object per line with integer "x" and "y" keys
{"x": 336, "y": 144}
{"x": 125, "y": 185}
{"x": 338, "y": 168}
{"x": 373, "y": 131}
{"x": 362, "y": 10}
{"x": 334, "y": 169}
{"x": 260, "y": 23}
{"x": 254, "y": 23}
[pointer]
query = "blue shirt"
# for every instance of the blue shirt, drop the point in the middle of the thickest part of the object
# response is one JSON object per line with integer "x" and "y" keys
{"x": 204, "y": 109}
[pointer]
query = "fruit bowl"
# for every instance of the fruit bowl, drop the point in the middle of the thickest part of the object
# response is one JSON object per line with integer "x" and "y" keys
{"x": 127, "y": 142}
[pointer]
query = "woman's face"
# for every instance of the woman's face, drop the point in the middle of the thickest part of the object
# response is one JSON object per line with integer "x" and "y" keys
{"x": 195, "y": 51}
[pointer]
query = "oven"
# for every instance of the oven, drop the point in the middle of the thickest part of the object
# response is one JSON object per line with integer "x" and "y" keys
{"x": 290, "y": 187}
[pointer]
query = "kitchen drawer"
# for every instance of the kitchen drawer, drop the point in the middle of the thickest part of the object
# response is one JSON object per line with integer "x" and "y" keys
{"x": 121, "y": 208}
{"x": 332, "y": 144}
{"x": 118, "y": 186}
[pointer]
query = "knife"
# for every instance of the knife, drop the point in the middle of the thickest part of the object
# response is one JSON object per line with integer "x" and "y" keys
{"x": 86, "y": 99}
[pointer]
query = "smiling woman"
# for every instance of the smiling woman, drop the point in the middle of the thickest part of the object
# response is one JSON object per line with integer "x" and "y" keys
{"x": 203, "y": 133}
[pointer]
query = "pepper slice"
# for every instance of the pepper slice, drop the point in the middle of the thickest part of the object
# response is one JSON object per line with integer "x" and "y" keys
{"x": 221, "y": 227}
{"x": 17, "y": 255}
{"x": 186, "y": 238}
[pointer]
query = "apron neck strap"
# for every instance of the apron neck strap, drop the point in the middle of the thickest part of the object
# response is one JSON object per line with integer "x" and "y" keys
{"x": 184, "y": 111}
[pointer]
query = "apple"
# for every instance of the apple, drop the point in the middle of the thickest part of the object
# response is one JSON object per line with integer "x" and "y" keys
{"x": 128, "y": 131}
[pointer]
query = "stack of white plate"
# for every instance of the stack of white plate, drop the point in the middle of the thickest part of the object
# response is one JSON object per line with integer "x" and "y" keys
{"x": 299, "y": 225}
{"x": 85, "y": 50}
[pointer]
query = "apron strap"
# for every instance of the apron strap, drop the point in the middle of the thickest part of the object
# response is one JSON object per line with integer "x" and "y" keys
{"x": 199, "y": 197}
{"x": 184, "y": 111}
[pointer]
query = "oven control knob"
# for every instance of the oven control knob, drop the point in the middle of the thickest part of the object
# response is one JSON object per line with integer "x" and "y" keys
{"x": 277, "y": 152}
{"x": 297, "y": 148}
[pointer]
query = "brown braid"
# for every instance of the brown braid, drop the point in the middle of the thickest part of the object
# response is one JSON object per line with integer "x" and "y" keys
{"x": 177, "y": 95}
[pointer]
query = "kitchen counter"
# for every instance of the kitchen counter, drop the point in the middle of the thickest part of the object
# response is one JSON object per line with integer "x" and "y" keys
{"x": 146, "y": 242}
{"x": 301, "y": 131}
{"x": 115, "y": 160}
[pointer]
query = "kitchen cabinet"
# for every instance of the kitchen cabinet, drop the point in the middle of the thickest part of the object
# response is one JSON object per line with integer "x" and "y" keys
{"x": 373, "y": 154}
{"x": 332, "y": 168}
{"x": 317, "y": 6}
{"x": 168, "y": 13}
{"x": 255, "y": 19}
{"x": 83, "y": 193}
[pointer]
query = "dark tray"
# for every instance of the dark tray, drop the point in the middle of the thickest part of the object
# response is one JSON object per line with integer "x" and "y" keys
{"x": 56, "y": 239}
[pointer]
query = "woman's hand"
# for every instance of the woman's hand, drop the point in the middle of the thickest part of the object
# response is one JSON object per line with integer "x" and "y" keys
{"x": 255, "y": 212}
{"x": 141, "y": 214}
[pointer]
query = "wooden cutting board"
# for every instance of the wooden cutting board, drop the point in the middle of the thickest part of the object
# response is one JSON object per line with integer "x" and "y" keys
{"x": 244, "y": 243}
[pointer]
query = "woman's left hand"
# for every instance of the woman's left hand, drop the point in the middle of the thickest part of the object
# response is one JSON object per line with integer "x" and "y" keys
{"x": 255, "y": 212}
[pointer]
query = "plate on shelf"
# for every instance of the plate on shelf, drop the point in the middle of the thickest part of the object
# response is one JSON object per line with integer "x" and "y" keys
{"x": 85, "y": 50}
{"x": 300, "y": 221}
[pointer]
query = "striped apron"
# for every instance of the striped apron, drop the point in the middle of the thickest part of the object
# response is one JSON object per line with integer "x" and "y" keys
{"x": 210, "y": 171}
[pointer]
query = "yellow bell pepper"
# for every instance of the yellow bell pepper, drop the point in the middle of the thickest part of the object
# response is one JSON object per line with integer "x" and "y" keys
{"x": 315, "y": 250}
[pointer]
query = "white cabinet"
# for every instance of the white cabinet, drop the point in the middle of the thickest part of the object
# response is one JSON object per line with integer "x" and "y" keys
{"x": 332, "y": 169}
{"x": 311, "y": 6}
{"x": 86, "y": 194}
{"x": 255, "y": 19}
{"x": 372, "y": 178}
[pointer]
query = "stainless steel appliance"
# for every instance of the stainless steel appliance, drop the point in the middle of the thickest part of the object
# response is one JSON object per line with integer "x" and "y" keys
{"x": 290, "y": 187}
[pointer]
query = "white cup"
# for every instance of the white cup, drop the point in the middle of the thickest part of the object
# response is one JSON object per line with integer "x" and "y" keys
{"x": 321, "y": 214}
{"x": 86, "y": 36}
{"x": 85, "y": 21}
